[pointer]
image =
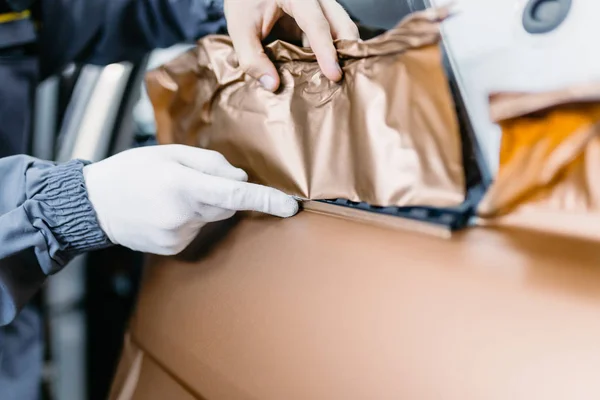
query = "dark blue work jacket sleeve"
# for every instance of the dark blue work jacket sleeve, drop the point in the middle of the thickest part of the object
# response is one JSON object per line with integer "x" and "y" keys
{"x": 107, "y": 31}
{"x": 46, "y": 219}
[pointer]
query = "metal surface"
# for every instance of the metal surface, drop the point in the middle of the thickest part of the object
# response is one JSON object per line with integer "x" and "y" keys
{"x": 91, "y": 134}
{"x": 84, "y": 87}
{"x": 45, "y": 120}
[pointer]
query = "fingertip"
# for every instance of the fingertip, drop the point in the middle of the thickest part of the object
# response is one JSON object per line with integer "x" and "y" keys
{"x": 339, "y": 74}
{"x": 333, "y": 71}
{"x": 288, "y": 207}
{"x": 279, "y": 204}
{"x": 348, "y": 32}
{"x": 255, "y": 63}
{"x": 269, "y": 82}
{"x": 329, "y": 64}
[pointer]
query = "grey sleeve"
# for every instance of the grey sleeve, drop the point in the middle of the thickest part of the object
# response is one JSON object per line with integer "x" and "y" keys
{"x": 46, "y": 219}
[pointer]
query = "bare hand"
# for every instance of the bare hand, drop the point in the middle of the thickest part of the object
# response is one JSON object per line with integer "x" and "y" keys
{"x": 322, "y": 21}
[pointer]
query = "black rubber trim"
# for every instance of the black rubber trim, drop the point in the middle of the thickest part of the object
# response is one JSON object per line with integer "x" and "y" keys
{"x": 454, "y": 218}
{"x": 535, "y": 21}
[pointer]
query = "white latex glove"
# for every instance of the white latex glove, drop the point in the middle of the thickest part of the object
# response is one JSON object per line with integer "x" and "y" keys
{"x": 156, "y": 199}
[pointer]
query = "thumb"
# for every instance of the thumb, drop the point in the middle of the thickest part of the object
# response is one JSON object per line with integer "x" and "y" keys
{"x": 252, "y": 57}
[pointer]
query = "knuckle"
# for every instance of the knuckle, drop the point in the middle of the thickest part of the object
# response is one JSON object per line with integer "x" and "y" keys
{"x": 174, "y": 249}
{"x": 238, "y": 196}
{"x": 179, "y": 246}
{"x": 253, "y": 64}
{"x": 246, "y": 65}
{"x": 266, "y": 202}
{"x": 164, "y": 179}
{"x": 215, "y": 157}
{"x": 286, "y": 5}
{"x": 172, "y": 151}
{"x": 212, "y": 159}
{"x": 171, "y": 225}
{"x": 249, "y": 61}
{"x": 353, "y": 30}
{"x": 175, "y": 243}
{"x": 169, "y": 244}
{"x": 173, "y": 147}
{"x": 215, "y": 214}
{"x": 173, "y": 221}
{"x": 238, "y": 199}
{"x": 348, "y": 32}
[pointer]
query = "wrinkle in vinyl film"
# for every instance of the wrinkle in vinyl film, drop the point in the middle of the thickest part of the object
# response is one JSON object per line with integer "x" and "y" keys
{"x": 387, "y": 135}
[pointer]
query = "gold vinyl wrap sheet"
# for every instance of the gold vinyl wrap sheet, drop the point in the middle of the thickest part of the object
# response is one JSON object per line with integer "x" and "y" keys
{"x": 387, "y": 134}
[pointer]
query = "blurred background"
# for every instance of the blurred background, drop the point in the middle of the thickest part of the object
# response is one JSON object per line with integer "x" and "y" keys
{"x": 92, "y": 112}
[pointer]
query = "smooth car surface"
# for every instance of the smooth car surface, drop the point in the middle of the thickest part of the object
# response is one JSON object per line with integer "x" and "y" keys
{"x": 322, "y": 307}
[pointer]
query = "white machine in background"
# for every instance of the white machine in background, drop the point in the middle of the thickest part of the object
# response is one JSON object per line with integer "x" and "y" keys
{"x": 517, "y": 45}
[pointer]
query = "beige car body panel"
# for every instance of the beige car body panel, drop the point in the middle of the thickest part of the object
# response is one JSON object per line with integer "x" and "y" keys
{"x": 321, "y": 307}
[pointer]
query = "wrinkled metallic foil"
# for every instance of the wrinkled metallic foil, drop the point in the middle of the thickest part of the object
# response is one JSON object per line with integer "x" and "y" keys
{"x": 387, "y": 134}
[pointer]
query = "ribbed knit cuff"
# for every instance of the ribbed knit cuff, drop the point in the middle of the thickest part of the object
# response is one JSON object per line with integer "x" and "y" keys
{"x": 61, "y": 196}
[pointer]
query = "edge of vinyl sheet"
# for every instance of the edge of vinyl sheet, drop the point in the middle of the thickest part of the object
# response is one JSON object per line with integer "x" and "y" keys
{"x": 382, "y": 220}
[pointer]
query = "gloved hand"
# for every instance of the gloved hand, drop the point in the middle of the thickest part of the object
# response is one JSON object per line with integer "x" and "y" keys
{"x": 156, "y": 199}
{"x": 250, "y": 21}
